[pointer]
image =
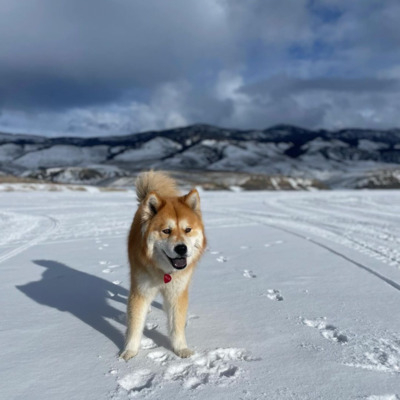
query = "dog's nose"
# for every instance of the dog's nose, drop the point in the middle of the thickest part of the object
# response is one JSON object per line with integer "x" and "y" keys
{"x": 181, "y": 249}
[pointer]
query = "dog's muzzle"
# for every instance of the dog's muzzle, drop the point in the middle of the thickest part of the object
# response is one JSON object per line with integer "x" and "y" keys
{"x": 177, "y": 263}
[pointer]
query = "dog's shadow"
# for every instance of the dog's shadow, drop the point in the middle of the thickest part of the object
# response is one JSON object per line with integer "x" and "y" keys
{"x": 87, "y": 297}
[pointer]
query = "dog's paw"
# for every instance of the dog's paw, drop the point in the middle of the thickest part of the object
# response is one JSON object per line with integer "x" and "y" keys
{"x": 184, "y": 353}
{"x": 128, "y": 354}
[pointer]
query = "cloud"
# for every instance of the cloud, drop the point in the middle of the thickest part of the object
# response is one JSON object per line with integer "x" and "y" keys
{"x": 283, "y": 85}
{"x": 162, "y": 111}
{"x": 121, "y": 66}
{"x": 331, "y": 103}
{"x": 273, "y": 22}
{"x": 58, "y": 54}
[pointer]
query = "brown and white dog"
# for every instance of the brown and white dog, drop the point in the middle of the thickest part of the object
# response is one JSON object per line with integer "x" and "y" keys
{"x": 165, "y": 242}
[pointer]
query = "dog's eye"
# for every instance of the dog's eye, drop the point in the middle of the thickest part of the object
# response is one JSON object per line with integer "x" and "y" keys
{"x": 187, "y": 230}
{"x": 167, "y": 231}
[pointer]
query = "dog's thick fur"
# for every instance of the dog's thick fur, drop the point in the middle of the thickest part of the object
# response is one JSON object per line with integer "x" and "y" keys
{"x": 166, "y": 237}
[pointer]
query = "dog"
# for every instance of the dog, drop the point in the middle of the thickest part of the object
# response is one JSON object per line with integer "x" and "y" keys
{"x": 166, "y": 241}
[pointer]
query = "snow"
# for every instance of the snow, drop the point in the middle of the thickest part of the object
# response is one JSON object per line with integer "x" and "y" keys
{"x": 337, "y": 160}
{"x": 91, "y": 174}
{"x": 152, "y": 150}
{"x": 9, "y": 151}
{"x": 196, "y": 156}
{"x": 369, "y": 145}
{"x": 297, "y": 297}
{"x": 318, "y": 144}
{"x": 29, "y": 187}
{"x": 62, "y": 155}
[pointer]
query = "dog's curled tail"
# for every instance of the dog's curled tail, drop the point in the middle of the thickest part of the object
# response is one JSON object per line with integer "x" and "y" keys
{"x": 155, "y": 181}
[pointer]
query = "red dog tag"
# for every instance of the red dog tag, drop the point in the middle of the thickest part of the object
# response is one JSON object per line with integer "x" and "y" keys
{"x": 167, "y": 278}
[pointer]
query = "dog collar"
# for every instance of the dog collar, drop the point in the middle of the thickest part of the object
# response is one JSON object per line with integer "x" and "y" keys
{"x": 167, "y": 278}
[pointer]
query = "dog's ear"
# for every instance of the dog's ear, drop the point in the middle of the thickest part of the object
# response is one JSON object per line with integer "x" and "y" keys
{"x": 151, "y": 205}
{"x": 192, "y": 199}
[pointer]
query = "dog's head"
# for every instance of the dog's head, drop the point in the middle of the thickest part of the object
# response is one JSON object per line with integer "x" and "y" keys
{"x": 172, "y": 230}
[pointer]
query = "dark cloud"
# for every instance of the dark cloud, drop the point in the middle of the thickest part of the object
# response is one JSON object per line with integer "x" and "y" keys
{"x": 280, "y": 86}
{"x": 49, "y": 91}
{"x": 93, "y": 49}
{"x": 117, "y": 66}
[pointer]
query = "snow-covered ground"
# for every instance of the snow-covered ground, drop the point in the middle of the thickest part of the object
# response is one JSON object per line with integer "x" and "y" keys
{"x": 297, "y": 297}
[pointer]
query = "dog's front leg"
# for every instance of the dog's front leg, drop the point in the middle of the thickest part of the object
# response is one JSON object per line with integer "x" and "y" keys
{"x": 177, "y": 309}
{"x": 138, "y": 306}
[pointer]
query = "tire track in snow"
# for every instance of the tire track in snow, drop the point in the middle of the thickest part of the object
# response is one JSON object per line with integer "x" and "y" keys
{"x": 375, "y": 237}
{"x": 374, "y": 352}
{"x": 42, "y": 236}
{"x": 371, "y": 271}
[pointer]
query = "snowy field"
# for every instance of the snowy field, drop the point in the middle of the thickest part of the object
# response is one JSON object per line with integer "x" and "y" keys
{"x": 297, "y": 297}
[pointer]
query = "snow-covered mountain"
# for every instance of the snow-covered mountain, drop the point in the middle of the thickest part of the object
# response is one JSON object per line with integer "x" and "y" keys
{"x": 345, "y": 158}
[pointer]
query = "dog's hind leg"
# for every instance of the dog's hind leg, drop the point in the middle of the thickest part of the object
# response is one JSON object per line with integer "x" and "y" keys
{"x": 138, "y": 306}
{"x": 177, "y": 309}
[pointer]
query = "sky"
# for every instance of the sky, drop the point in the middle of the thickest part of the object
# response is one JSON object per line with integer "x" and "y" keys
{"x": 112, "y": 67}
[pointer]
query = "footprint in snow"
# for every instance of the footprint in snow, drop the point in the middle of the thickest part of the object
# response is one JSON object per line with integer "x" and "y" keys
{"x": 214, "y": 367}
{"x": 311, "y": 347}
{"x": 211, "y": 367}
{"x": 151, "y": 326}
{"x": 147, "y": 343}
{"x": 273, "y": 243}
{"x": 328, "y": 331}
{"x": 115, "y": 266}
{"x": 249, "y": 274}
{"x": 190, "y": 318}
{"x": 160, "y": 357}
{"x": 121, "y": 317}
{"x": 375, "y": 354}
{"x": 222, "y": 259}
{"x": 214, "y": 252}
{"x": 137, "y": 381}
{"x": 109, "y": 265}
{"x": 273, "y": 294}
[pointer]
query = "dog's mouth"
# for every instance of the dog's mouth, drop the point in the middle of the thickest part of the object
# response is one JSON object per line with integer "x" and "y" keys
{"x": 178, "y": 263}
